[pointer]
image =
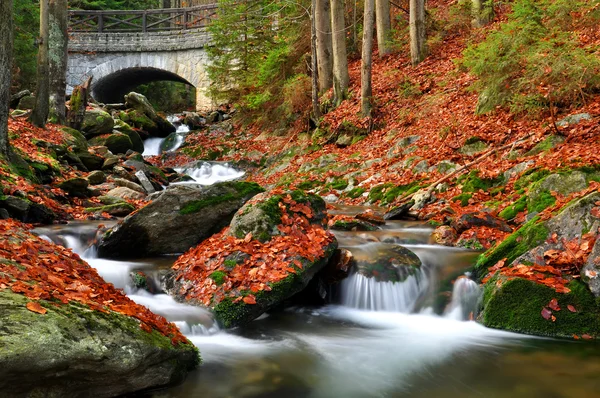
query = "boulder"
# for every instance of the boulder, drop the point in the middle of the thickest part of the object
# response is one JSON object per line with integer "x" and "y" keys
{"x": 97, "y": 122}
{"x": 283, "y": 245}
{"x": 16, "y": 98}
{"x": 539, "y": 262}
{"x": 125, "y": 193}
{"x": 96, "y": 177}
{"x": 136, "y": 140}
{"x": 146, "y": 184}
{"x": 111, "y": 200}
{"x": 75, "y": 186}
{"x": 55, "y": 346}
{"x": 90, "y": 160}
{"x": 26, "y": 103}
{"x": 176, "y": 220}
{"x": 75, "y": 139}
{"x": 386, "y": 262}
{"x": 479, "y": 219}
{"x": 541, "y": 194}
{"x": 26, "y": 211}
{"x": 444, "y": 235}
{"x": 142, "y": 107}
{"x": 115, "y": 142}
{"x": 120, "y": 209}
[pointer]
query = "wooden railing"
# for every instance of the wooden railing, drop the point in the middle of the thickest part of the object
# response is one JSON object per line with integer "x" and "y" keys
{"x": 141, "y": 21}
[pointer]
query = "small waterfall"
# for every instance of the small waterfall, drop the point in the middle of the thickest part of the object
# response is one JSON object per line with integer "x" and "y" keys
{"x": 152, "y": 146}
{"x": 466, "y": 296}
{"x": 210, "y": 173}
{"x": 361, "y": 292}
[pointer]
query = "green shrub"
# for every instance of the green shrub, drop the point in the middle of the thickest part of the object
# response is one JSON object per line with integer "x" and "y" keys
{"x": 534, "y": 59}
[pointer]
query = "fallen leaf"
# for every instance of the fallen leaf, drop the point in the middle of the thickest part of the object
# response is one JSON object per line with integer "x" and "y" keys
{"x": 553, "y": 305}
{"x": 34, "y": 306}
{"x": 250, "y": 299}
{"x": 571, "y": 308}
{"x": 546, "y": 313}
{"x": 586, "y": 337}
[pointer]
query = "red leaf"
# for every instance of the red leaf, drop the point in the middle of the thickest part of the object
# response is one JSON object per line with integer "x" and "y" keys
{"x": 546, "y": 313}
{"x": 553, "y": 305}
{"x": 586, "y": 337}
{"x": 34, "y": 306}
{"x": 571, "y": 308}
{"x": 250, "y": 299}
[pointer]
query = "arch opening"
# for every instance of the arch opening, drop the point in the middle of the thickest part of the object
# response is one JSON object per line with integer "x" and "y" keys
{"x": 113, "y": 87}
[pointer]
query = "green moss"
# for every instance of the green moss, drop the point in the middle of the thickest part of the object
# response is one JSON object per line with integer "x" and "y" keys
{"x": 463, "y": 198}
{"x": 542, "y": 201}
{"x": 472, "y": 183}
{"x": 355, "y": 192}
{"x": 517, "y": 304}
{"x": 339, "y": 184}
{"x": 354, "y": 225}
{"x": 230, "y": 264}
{"x": 472, "y": 140}
{"x": 242, "y": 189}
{"x": 310, "y": 184}
{"x": 219, "y": 277}
{"x": 530, "y": 235}
{"x": 511, "y": 211}
{"x": 529, "y": 177}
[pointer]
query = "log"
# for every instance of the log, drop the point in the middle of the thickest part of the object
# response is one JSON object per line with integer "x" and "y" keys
{"x": 77, "y": 104}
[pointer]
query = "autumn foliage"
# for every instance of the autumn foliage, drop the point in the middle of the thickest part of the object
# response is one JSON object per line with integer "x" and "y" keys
{"x": 50, "y": 275}
{"x": 224, "y": 266}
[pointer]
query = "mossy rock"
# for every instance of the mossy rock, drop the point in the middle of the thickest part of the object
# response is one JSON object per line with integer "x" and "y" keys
{"x": 473, "y": 183}
{"x": 141, "y": 121}
{"x": 89, "y": 160}
{"x": 119, "y": 209}
{"x": 353, "y": 225}
{"x": 111, "y": 350}
{"x": 386, "y": 262}
{"x": 97, "y": 122}
{"x": 262, "y": 216}
{"x": 230, "y": 314}
{"x": 547, "y": 144}
{"x": 540, "y": 194}
{"x": 515, "y": 304}
{"x": 75, "y": 138}
{"x": 136, "y": 140}
{"x": 118, "y": 143}
{"x": 473, "y": 147}
{"x": 75, "y": 186}
{"x": 510, "y": 212}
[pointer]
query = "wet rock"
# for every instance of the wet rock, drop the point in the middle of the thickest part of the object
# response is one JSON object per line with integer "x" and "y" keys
{"x": 214, "y": 117}
{"x": 97, "y": 122}
{"x": 291, "y": 225}
{"x": 353, "y": 225}
{"x": 400, "y": 212}
{"x": 126, "y": 193}
{"x": 96, "y": 177}
{"x": 590, "y": 273}
{"x": 479, "y": 219}
{"x": 193, "y": 120}
{"x": 179, "y": 218}
{"x": 75, "y": 186}
{"x": 444, "y": 235}
{"x": 339, "y": 267}
{"x": 386, "y": 262}
{"x": 140, "y": 104}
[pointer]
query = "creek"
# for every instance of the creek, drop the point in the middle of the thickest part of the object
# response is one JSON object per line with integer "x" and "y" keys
{"x": 373, "y": 339}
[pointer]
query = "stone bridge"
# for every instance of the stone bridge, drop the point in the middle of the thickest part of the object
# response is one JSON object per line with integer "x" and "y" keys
{"x": 123, "y": 49}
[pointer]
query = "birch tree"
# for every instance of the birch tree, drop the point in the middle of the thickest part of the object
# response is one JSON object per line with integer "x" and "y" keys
{"x": 384, "y": 26}
{"x": 324, "y": 44}
{"x": 418, "y": 49}
{"x": 340, "y": 57}
{"x": 6, "y": 43}
{"x": 366, "y": 90}
{"x": 57, "y": 47}
{"x": 483, "y": 12}
{"x": 40, "y": 110}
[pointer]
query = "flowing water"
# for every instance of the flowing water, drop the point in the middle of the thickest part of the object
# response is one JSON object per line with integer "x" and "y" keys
{"x": 376, "y": 339}
{"x": 152, "y": 146}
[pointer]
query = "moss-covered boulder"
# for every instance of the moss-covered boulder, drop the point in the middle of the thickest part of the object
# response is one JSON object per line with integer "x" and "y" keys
{"x": 120, "y": 209}
{"x": 144, "y": 112}
{"x": 76, "y": 186}
{"x": 241, "y": 278}
{"x": 262, "y": 216}
{"x": 97, "y": 122}
{"x": 65, "y": 332}
{"x": 90, "y": 160}
{"x": 26, "y": 103}
{"x": 75, "y": 139}
{"x": 541, "y": 193}
{"x": 542, "y": 260}
{"x": 179, "y": 218}
{"x": 27, "y": 211}
{"x": 385, "y": 262}
{"x": 115, "y": 142}
{"x": 136, "y": 140}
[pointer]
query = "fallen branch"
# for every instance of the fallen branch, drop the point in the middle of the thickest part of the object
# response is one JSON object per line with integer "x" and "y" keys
{"x": 432, "y": 186}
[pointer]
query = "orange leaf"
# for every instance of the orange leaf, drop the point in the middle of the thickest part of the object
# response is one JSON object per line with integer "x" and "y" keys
{"x": 34, "y": 306}
{"x": 553, "y": 305}
{"x": 586, "y": 337}
{"x": 250, "y": 299}
{"x": 571, "y": 308}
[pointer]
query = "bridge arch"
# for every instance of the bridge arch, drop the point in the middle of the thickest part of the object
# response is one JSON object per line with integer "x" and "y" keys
{"x": 119, "y": 60}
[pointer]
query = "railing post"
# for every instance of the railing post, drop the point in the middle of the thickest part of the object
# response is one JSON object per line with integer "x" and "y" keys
{"x": 100, "y": 22}
{"x": 144, "y": 22}
{"x": 185, "y": 19}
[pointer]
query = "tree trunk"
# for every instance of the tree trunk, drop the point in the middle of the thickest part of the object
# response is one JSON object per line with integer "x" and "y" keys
{"x": 384, "y": 27}
{"x": 6, "y": 44}
{"x": 58, "y": 59}
{"x": 324, "y": 44}
{"x": 366, "y": 91}
{"x": 314, "y": 61}
{"x": 418, "y": 49}
{"x": 40, "y": 110}
{"x": 77, "y": 105}
{"x": 483, "y": 12}
{"x": 340, "y": 57}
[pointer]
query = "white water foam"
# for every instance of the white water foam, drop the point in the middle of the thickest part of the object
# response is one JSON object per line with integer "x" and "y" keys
{"x": 466, "y": 296}
{"x": 210, "y": 173}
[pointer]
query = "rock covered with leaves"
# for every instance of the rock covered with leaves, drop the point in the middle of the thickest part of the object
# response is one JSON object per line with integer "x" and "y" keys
{"x": 179, "y": 218}
{"x": 543, "y": 279}
{"x": 57, "y": 311}
{"x": 239, "y": 275}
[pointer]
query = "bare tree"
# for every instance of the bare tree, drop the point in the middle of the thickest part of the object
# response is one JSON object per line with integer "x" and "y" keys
{"x": 366, "y": 90}
{"x": 340, "y": 57}
{"x": 384, "y": 27}
{"x": 483, "y": 12}
{"x": 40, "y": 110}
{"x": 324, "y": 44}
{"x": 6, "y": 44}
{"x": 314, "y": 60}
{"x": 57, "y": 48}
{"x": 418, "y": 48}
